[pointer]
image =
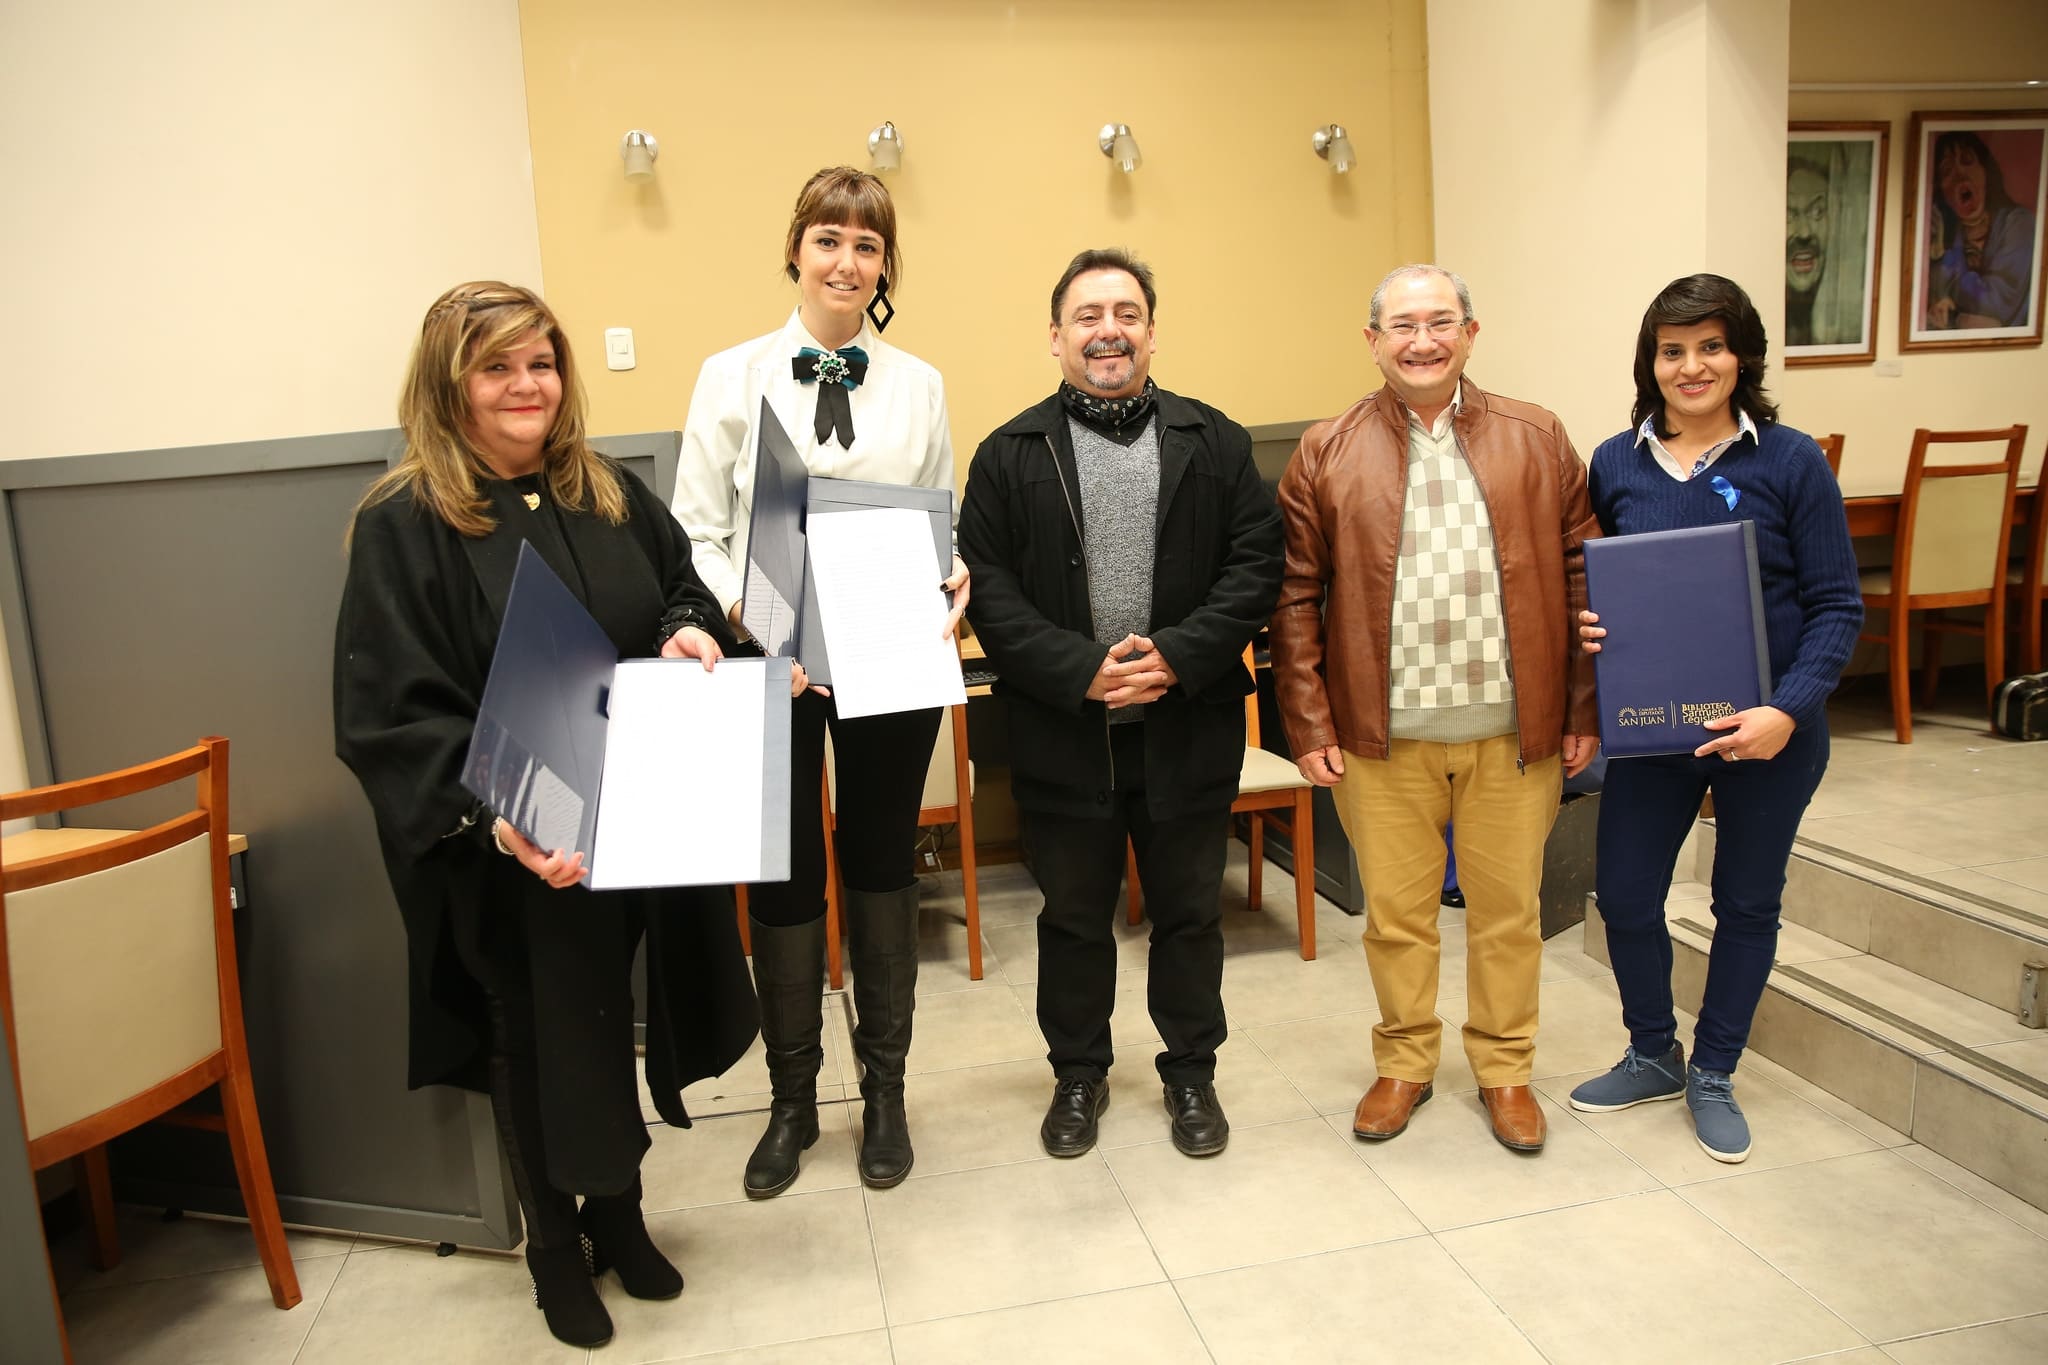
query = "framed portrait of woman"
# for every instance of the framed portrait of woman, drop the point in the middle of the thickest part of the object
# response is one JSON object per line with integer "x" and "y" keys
{"x": 1834, "y": 208}
{"x": 1976, "y": 191}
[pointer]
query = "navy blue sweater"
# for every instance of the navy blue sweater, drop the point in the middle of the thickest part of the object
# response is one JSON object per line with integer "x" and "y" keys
{"x": 1813, "y": 608}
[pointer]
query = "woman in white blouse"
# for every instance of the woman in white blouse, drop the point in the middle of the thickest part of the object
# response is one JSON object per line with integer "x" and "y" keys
{"x": 856, "y": 408}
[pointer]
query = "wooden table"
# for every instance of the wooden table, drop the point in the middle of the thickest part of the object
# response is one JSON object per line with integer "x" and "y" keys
{"x": 1878, "y": 514}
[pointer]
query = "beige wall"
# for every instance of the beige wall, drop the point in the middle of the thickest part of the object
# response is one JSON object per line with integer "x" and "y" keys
{"x": 1586, "y": 153}
{"x": 1883, "y": 41}
{"x": 237, "y": 210}
{"x": 1264, "y": 257}
{"x": 226, "y": 217}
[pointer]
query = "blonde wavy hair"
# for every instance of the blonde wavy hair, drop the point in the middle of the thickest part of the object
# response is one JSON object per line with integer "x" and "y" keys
{"x": 469, "y": 326}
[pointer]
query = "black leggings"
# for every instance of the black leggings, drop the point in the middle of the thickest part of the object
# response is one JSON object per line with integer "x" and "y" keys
{"x": 879, "y": 763}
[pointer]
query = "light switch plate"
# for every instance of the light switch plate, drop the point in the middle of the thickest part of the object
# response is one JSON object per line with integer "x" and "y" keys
{"x": 618, "y": 348}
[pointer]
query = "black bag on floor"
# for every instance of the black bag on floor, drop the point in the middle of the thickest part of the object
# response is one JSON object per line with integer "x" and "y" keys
{"x": 2019, "y": 707}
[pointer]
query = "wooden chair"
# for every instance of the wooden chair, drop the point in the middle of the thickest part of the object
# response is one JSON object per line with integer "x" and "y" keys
{"x": 948, "y": 800}
{"x": 1955, "y": 524}
{"x": 1266, "y": 784}
{"x": 2028, "y": 581}
{"x": 1831, "y": 446}
{"x": 950, "y": 773}
{"x": 119, "y": 993}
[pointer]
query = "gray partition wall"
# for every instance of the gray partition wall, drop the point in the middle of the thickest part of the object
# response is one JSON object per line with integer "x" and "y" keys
{"x": 153, "y": 597}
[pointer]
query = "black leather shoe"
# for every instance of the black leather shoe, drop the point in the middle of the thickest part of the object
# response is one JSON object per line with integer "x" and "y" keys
{"x": 792, "y": 1130}
{"x": 1199, "y": 1128}
{"x": 1077, "y": 1102}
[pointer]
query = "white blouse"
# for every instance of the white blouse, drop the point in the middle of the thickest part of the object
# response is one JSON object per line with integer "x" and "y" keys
{"x": 899, "y": 425}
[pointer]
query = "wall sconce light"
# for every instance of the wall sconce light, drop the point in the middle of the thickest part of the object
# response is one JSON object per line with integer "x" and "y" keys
{"x": 638, "y": 150}
{"x": 1333, "y": 145}
{"x": 885, "y": 147}
{"x": 1119, "y": 146}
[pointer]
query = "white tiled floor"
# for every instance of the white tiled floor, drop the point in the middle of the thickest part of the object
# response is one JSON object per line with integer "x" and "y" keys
{"x": 1620, "y": 1242}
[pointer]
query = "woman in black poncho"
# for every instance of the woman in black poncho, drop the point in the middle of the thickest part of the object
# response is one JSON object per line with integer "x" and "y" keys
{"x": 519, "y": 977}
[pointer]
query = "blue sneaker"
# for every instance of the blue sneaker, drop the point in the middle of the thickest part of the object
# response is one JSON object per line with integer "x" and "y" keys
{"x": 1716, "y": 1117}
{"x": 1636, "y": 1079}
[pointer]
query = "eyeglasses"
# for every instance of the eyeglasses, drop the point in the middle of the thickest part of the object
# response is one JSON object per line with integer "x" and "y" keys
{"x": 1439, "y": 329}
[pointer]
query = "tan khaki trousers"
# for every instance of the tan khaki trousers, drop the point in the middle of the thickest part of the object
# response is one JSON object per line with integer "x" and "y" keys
{"x": 1394, "y": 811}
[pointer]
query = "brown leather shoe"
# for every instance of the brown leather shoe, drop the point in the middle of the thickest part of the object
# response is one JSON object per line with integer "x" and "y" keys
{"x": 1517, "y": 1118}
{"x": 1384, "y": 1110}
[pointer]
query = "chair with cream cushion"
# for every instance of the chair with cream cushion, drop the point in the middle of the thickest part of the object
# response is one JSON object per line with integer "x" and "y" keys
{"x": 1266, "y": 785}
{"x": 118, "y": 988}
{"x": 949, "y": 774}
{"x": 2027, "y": 581}
{"x": 1955, "y": 523}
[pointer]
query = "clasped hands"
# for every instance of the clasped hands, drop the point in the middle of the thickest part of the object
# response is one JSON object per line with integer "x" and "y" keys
{"x": 1132, "y": 673}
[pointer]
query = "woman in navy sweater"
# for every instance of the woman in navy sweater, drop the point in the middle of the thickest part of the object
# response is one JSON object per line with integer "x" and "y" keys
{"x": 1707, "y": 448}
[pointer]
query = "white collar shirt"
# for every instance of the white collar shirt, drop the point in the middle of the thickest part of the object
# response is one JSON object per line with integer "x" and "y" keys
{"x": 899, "y": 425}
{"x": 1647, "y": 433}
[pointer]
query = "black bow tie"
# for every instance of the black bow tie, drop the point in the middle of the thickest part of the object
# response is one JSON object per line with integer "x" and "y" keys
{"x": 836, "y": 373}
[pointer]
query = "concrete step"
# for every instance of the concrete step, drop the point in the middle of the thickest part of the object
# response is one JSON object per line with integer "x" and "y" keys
{"x": 1955, "y": 938}
{"x": 1959, "y": 1076}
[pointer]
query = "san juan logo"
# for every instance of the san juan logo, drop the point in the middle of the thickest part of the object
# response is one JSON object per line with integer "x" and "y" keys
{"x": 1631, "y": 717}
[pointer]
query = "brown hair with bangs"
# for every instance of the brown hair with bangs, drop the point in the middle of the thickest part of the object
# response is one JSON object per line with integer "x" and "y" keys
{"x": 843, "y": 196}
{"x": 469, "y": 326}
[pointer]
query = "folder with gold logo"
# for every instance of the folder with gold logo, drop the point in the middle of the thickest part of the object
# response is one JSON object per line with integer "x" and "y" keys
{"x": 1684, "y": 615}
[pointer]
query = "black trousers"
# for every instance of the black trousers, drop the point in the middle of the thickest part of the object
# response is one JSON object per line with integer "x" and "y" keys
{"x": 557, "y": 968}
{"x": 1079, "y": 864}
{"x": 879, "y": 764}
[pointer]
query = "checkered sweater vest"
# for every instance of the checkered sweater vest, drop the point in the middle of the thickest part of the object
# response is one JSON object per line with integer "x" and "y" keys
{"x": 1448, "y": 652}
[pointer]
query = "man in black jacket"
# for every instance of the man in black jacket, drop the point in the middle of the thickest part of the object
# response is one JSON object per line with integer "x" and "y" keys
{"x": 1123, "y": 552}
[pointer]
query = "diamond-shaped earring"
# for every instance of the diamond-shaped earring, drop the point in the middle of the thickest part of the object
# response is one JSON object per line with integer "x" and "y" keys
{"x": 881, "y": 301}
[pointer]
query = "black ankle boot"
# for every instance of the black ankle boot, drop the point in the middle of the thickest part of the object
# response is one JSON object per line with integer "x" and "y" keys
{"x": 789, "y": 967}
{"x": 566, "y": 1295}
{"x": 618, "y": 1240}
{"x": 884, "y": 925}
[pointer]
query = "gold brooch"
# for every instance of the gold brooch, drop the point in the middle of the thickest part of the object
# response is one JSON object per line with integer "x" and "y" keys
{"x": 532, "y": 502}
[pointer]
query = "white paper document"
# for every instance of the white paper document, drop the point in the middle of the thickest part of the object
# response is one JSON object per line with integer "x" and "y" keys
{"x": 884, "y": 614}
{"x": 692, "y": 767}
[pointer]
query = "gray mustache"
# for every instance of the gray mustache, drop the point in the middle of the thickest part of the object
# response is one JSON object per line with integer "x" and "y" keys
{"x": 1095, "y": 350}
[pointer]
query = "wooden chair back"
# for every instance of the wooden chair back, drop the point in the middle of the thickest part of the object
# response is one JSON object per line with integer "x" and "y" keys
{"x": 1955, "y": 520}
{"x": 119, "y": 989}
{"x": 1831, "y": 447}
{"x": 2033, "y": 578}
{"x": 948, "y": 800}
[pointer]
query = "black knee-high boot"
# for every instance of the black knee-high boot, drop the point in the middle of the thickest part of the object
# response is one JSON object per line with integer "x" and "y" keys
{"x": 884, "y": 927}
{"x": 556, "y": 1253}
{"x": 789, "y": 968}
{"x": 619, "y": 1241}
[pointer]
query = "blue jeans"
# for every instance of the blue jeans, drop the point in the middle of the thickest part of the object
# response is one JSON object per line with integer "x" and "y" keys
{"x": 1646, "y": 809}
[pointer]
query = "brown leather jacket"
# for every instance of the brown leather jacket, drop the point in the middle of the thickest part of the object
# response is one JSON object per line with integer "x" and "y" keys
{"x": 1341, "y": 503}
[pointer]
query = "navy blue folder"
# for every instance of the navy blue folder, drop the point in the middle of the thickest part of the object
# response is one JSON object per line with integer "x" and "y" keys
{"x": 536, "y": 756}
{"x": 1684, "y": 615}
{"x": 774, "y": 600}
{"x": 823, "y": 495}
{"x": 538, "y": 753}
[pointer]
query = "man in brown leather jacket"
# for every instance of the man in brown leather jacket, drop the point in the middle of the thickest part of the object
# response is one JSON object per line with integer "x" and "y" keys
{"x": 1424, "y": 663}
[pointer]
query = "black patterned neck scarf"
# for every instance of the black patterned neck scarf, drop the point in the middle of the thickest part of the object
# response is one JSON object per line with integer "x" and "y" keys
{"x": 1120, "y": 419}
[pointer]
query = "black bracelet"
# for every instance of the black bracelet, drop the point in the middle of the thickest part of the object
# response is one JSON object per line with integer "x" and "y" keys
{"x": 683, "y": 619}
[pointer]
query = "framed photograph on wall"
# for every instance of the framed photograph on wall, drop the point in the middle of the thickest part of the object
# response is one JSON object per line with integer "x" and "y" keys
{"x": 1976, "y": 191}
{"x": 1834, "y": 209}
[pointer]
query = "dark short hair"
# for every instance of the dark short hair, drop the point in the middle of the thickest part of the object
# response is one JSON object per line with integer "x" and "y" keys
{"x": 845, "y": 197}
{"x": 1687, "y": 303}
{"x": 1107, "y": 258}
